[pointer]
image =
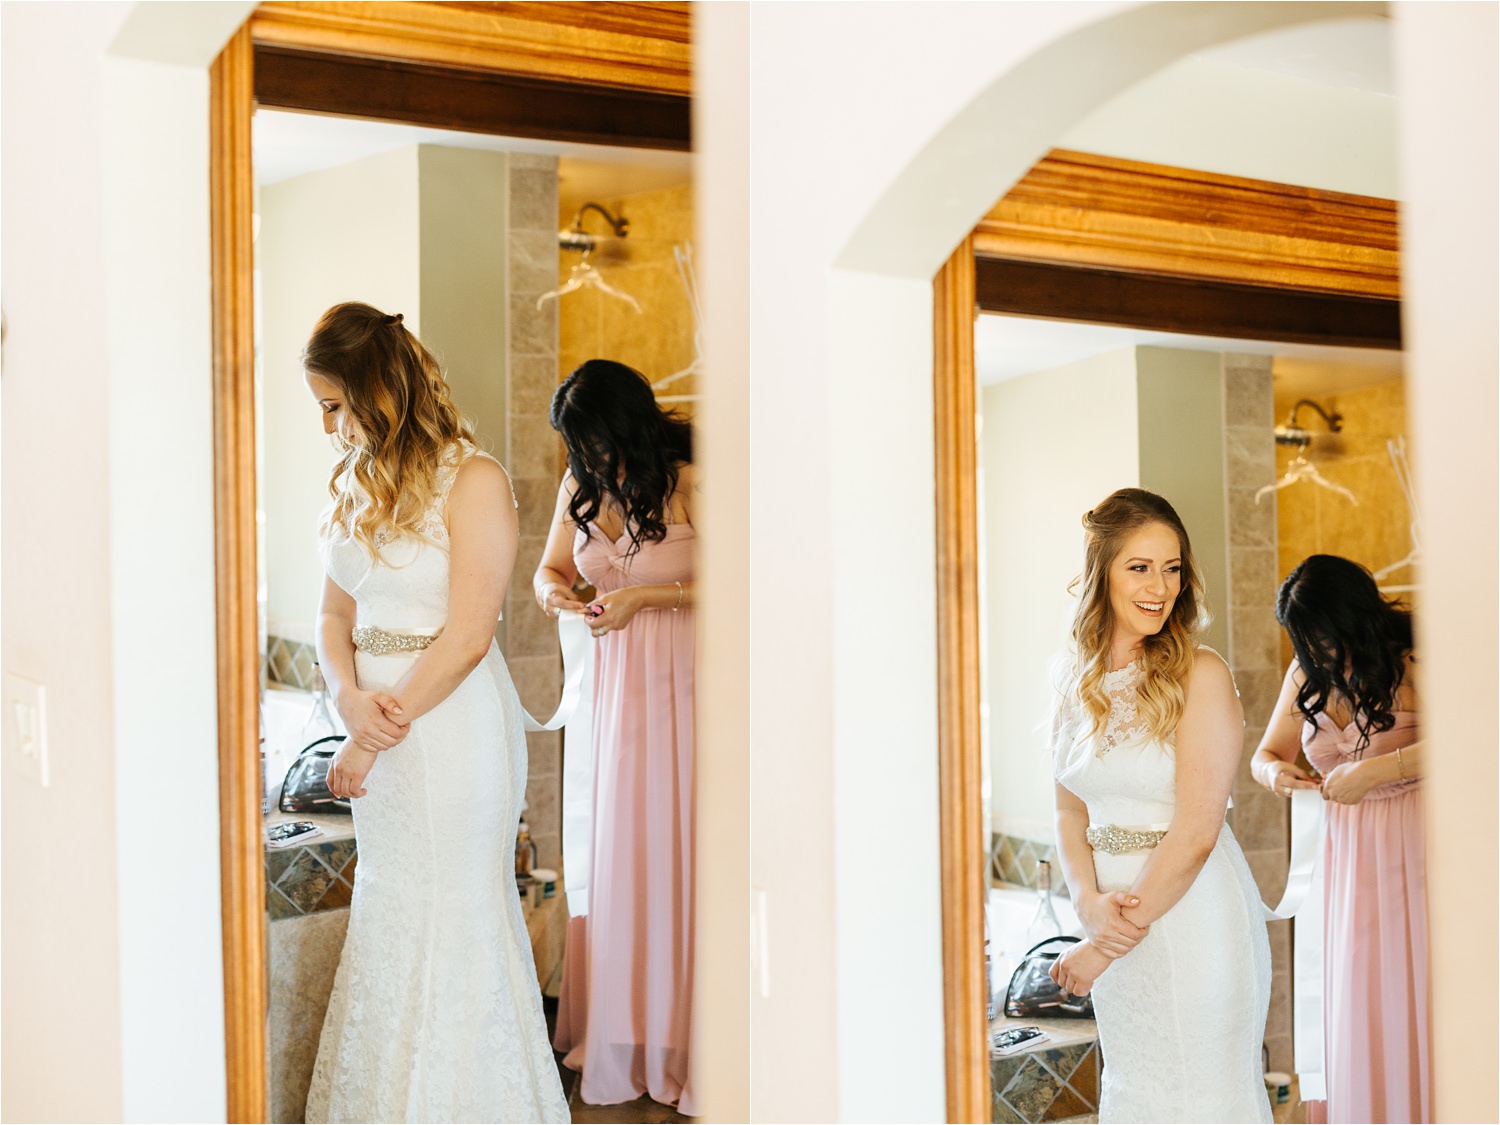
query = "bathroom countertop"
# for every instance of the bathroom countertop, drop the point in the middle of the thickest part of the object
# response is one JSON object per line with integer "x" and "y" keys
{"x": 1060, "y": 1033}
{"x": 335, "y": 826}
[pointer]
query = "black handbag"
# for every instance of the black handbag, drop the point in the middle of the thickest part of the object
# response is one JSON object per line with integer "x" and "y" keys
{"x": 306, "y": 789}
{"x": 1033, "y": 993}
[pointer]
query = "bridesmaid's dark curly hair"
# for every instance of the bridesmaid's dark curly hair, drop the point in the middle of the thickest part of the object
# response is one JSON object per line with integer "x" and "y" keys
{"x": 609, "y": 420}
{"x": 1351, "y": 642}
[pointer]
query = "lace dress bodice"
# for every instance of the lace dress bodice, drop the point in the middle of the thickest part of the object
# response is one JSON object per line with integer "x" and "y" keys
{"x": 1122, "y": 773}
{"x": 405, "y": 590}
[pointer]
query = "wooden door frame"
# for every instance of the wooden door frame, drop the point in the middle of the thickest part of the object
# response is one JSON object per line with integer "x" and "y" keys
{"x": 1072, "y": 241}
{"x": 625, "y": 62}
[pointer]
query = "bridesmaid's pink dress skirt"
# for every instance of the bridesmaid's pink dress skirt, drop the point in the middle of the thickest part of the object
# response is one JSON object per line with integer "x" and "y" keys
{"x": 625, "y": 1010}
{"x": 1375, "y": 987}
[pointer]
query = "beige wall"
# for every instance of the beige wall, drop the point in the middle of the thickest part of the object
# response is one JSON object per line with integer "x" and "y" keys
{"x": 1054, "y": 444}
{"x": 1311, "y": 520}
{"x": 1445, "y": 59}
{"x": 419, "y": 231}
{"x": 1181, "y": 420}
{"x": 658, "y": 340}
{"x": 462, "y": 203}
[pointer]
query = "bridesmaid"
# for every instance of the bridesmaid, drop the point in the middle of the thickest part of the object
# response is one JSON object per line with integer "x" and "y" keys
{"x": 1348, "y": 700}
{"x": 624, "y": 522}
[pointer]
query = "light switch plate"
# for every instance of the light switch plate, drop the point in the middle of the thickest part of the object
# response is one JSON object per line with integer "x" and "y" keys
{"x": 26, "y": 726}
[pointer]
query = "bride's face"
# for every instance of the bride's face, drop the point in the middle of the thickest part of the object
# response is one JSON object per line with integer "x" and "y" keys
{"x": 330, "y": 400}
{"x": 1144, "y": 581}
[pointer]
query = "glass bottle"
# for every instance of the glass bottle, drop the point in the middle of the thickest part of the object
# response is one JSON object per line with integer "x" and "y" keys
{"x": 525, "y": 858}
{"x": 319, "y": 720}
{"x": 1044, "y": 923}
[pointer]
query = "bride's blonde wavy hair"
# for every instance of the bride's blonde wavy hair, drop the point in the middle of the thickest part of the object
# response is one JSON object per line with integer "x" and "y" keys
{"x": 399, "y": 421}
{"x": 1168, "y": 655}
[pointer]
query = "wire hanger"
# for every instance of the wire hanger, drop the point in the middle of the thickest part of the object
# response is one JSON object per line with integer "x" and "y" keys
{"x": 1397, "y": 449}
{"x": 585, "y": 276}
{"x": 1302, "y": 469}
{"x": 682, "y": 253}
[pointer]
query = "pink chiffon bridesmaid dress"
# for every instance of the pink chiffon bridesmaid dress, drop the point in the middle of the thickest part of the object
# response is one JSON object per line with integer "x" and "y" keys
{"x": 625, "y": 1011}
{"x": 1377, "y": 1051}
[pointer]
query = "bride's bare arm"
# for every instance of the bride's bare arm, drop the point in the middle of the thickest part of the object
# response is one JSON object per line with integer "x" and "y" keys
{"x": 1209, "y": 740}
{"x": 483, "y": 534}
{"x": 1101, "y": 913}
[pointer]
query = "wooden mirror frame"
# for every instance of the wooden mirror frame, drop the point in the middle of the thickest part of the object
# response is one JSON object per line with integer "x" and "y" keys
{"x": 620, "y": 74}
{"x": 1090, "y": 238}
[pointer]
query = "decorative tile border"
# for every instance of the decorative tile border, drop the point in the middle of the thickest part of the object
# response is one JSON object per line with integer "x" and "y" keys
{"x": 310, "y": 878}
{"x": 1048, "y": 1084}
{"x": 1014, "y": 859}
{"x": 290, "y": 663}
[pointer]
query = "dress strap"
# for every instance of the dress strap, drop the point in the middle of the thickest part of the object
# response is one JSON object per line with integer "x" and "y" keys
{"x": 453, "y": 460}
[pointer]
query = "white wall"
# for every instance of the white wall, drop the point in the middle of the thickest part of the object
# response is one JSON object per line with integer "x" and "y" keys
{"x": 60, "y": 971}
{"x": 1238, "y": 121}
{"x": 350, "y": 233}
{"x": 112, "y": 973}
{"x": 1054, "y": 444}
{"x": 1446, "y": 71}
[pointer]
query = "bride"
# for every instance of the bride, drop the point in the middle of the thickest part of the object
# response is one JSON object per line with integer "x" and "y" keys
{"x": 435, "y": 1013}
{"x": 1148, "y": 739}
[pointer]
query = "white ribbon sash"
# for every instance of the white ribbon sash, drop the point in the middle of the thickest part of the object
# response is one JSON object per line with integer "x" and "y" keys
{"x": 575, "y": 717}
{"x": 1304, "y": 884}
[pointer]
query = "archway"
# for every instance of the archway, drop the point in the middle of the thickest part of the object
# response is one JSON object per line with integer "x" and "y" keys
{"x": 899, "y": 241}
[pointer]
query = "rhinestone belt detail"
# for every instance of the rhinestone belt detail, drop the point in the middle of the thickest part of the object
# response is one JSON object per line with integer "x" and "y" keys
{"x": 1115, "y": 840}
{"x": 375, "y": 641}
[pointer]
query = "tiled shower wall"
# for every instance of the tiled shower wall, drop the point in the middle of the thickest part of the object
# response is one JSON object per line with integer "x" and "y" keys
{"x": 1259, "y": 819}
{"x": 534, "y": 461}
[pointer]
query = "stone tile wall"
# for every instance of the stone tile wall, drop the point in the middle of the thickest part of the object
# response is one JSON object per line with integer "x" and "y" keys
{"x": 534, "y": 461}
{"x": 1260, "y": 820}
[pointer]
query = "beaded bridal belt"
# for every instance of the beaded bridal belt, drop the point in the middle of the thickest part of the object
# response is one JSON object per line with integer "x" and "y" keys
{"x": 375, "y": 641}
{"x": 1115, "y": 840}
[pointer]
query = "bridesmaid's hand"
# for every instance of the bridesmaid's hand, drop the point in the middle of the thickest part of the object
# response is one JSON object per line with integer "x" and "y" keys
{"x": 1347, "y": 783}
{"x": 554, "y": 597}
{"x": 1076, "y": 970}
{"x": 1282, "y": 778}
{"x": 372, "y": 719}
{"x": 613, "y": 612}
{"x": 347, "y": 772}
{"x": 1106, "y": 928}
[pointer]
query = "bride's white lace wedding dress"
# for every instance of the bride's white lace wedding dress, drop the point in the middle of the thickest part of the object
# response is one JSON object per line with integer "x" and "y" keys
{"x": 435, "y": 1013}
{"x": 1181, "y": 1017}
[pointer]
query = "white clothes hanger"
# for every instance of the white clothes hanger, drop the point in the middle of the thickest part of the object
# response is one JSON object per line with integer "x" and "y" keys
{"x": 1302, "y": 469}
{"x": 1397, "y": 449}
{"x": 582, "y": 276}
{"x": 682, "y": 253}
